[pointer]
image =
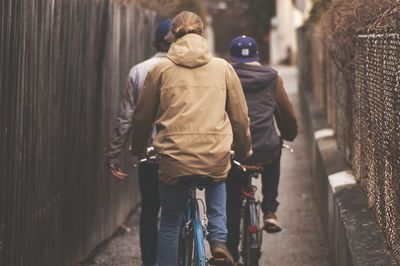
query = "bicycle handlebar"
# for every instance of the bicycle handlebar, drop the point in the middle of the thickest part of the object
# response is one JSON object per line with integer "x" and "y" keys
{"x": 151, "y": 156}
{"x": 285, "y": 146}
{"x": 255, "y": 168}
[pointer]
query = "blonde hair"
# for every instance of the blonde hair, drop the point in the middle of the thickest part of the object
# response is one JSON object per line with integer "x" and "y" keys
{"x": 186, "y": 22}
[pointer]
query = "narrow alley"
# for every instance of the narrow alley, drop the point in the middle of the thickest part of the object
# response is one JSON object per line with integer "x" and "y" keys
{"x": 300, "y": 243}
{"x": 81, "y": 83}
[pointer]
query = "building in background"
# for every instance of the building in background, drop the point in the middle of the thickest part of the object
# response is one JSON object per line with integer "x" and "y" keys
{"x": 228, "y": 20}
{"x": 290, "y": 14}
{"x": 231, "y": 18}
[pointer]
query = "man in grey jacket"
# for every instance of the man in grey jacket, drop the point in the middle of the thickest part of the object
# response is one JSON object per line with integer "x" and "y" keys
{"x": 148, "y": 172}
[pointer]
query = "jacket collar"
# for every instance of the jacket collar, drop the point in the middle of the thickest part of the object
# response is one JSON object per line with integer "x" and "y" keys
{"x": 160, "y": 54}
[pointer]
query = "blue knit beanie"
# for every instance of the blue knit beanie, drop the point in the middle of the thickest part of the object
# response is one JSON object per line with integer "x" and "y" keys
{"x": 162, "y": 30}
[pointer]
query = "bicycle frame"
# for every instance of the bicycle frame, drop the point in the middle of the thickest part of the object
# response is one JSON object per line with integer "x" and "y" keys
{"x": 192, "y": 250}
{"x": 251, "y": 233}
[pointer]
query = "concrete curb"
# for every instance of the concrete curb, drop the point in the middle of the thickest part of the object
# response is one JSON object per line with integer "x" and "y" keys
{"x": 354, "y": 238}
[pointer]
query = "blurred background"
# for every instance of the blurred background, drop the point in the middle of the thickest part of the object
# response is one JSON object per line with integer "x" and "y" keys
{"x": 63, "y": 64}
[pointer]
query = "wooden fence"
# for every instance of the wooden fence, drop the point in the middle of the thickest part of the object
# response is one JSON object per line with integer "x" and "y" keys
{"x": 62, "y": 66}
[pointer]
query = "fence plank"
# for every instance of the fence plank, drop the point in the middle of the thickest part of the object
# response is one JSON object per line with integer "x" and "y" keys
{"x": 63, "y": 64}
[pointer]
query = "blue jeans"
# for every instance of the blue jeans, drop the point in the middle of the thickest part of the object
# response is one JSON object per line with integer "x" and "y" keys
{"x": 173, "y": 201}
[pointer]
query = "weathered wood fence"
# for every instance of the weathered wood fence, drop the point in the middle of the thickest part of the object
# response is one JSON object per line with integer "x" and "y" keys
{"x": 62, "y": 66}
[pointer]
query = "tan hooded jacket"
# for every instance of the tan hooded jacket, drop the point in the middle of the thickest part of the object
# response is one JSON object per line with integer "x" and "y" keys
{"x": 197, "y": 104}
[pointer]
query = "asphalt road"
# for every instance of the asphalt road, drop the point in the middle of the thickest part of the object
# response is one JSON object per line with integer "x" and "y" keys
{"x": 300, "y": 243}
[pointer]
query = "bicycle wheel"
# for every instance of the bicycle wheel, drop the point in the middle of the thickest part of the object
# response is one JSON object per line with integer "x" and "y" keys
{"x": 244, "y": 235}
{"x": 199, "y": 249}
{"x": 185, "y": 251}
{"x": 251, "y": 235}
{"x": 254, "y": 257}
{"x": 260, "y": 231}
{"x": 255, "y": 233}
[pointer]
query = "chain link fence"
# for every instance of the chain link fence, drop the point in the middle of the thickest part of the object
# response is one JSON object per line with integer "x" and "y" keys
{"x": 63, "y": 65}
{"x": 365, "y": 115}
{"x": 376, "y": 110}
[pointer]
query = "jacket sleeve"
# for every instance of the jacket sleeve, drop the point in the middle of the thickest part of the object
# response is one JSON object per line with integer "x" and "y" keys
{"x": 236, "y": 108}
{"x": 145, "y": 113}
{"x": 284, "y": 114}
{"x": 123, "y": 125}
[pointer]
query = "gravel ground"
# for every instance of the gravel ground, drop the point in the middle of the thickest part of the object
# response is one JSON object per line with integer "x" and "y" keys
{"x": 122, "y": 249}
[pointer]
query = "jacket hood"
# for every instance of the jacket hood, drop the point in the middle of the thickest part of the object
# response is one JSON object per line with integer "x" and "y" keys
{"x": 254, "y": 77}
{"x": 190, "y": 51}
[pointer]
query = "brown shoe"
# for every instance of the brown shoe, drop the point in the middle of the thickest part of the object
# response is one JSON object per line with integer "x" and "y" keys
{"x": 219, "y": 250}
{"x": 271, "y": 224}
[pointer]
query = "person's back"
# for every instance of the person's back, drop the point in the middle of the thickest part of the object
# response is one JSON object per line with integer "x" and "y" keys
{"x": 147, "y": 172}
{"x": 267, "y": 102}
{"x": 199, "y": 109}
{"x": 194, "y": 133}
{"x": 259, "y": 86}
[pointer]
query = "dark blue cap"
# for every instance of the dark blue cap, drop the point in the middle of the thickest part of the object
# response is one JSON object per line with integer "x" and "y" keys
{"x": 243, "y": 49}
{"x": 162, "y": 30}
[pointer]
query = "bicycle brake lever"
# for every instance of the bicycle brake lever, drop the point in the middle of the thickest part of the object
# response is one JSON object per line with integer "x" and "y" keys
{"x": 288, "y": 147}
{"x": 240, "y": 165}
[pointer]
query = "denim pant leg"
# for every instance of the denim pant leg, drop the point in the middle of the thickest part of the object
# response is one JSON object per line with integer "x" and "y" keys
{"x": 270, "y": 183}
{"x": 173, "y": 201}
{"x": 148, "y": 184}
{"x": 216, "y": 211}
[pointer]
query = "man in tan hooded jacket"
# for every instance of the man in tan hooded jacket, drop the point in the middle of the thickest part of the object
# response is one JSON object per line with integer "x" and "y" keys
{"x": 198, "y": 107}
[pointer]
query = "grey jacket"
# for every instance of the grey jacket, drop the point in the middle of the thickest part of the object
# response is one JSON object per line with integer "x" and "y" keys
{"x": 130, "y": 96}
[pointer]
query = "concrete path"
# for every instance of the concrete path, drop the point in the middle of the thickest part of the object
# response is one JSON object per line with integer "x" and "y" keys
{"x": 300, "y": 243}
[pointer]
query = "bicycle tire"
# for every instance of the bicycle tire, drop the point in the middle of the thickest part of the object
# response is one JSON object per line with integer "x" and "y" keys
{"x": 244, "y": 235}
{"x": 256, "y": 238}
{"x": 251, "y": 242}
{"x": 185, "y": 246}
{"x": 254, "y": 256}
{"x": 199, "y": 248}
{"x": 254, "y": 209}
{"x": 260, "y": 231}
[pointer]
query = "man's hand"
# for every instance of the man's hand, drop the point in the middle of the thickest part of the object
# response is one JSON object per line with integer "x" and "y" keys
{"x": 117, "y": 172}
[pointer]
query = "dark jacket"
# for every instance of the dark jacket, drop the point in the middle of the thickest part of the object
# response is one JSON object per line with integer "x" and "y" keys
{"x": 266, "y": 98}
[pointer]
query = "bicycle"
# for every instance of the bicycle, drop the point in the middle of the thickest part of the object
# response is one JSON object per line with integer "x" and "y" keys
{"x": 251, "y": 233}
{"x": 250, "y": 239}
{"x": 193, "y": 229}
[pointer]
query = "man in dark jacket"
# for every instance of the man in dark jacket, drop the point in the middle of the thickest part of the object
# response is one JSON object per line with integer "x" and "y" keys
{"x": 148, "y": 172}
{"x": 266, "y": 99}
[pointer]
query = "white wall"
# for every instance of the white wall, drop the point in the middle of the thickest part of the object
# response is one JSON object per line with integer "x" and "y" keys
{"x": 288, "y": 19}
